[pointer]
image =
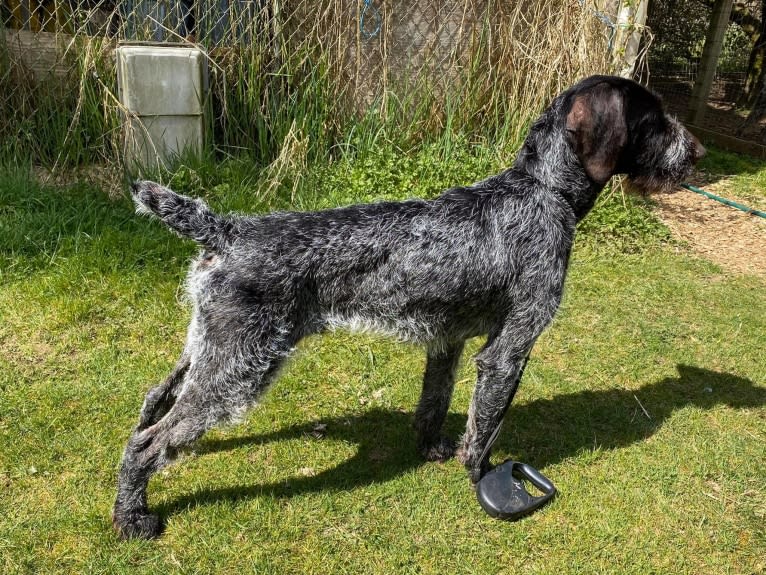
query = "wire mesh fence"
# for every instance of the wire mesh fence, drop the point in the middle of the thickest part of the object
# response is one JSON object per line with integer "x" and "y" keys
{"x": 293, "y": 70}
{"x": 731, "y": 109}
{"x": 725, "y": 113}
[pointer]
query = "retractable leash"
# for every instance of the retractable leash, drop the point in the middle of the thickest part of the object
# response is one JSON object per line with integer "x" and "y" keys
{"x": 503, "y": 495}
{"x": 501, "y": 492}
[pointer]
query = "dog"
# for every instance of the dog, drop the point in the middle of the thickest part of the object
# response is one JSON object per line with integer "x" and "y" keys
{"x": 485, "y": 259}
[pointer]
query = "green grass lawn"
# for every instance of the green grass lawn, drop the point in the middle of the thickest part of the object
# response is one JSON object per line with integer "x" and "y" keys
{"x": 644, "y": 402}
{"x": 741, "y": 176}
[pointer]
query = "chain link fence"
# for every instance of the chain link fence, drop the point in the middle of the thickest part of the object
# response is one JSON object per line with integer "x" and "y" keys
{"x": 678, "y": 34}
{"x": 293, "y": 70}
{"x": 724, "y": 113}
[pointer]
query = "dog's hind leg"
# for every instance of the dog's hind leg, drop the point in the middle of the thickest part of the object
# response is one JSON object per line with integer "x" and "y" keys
{"x": 438, "y": 382}
{"x": 147, "y": 451}
{"x": 213, "y": 390}
{"x": 161, "y": 398}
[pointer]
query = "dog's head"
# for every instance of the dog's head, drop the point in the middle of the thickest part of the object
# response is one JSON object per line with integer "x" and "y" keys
{"x": 616, "y": 126}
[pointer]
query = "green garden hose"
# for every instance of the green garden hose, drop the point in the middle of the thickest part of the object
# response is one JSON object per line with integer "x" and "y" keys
{"x": 724, "y": 201}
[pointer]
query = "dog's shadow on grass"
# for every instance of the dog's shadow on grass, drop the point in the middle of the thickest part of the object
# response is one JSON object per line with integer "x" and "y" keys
{"x": 541, "y": 432}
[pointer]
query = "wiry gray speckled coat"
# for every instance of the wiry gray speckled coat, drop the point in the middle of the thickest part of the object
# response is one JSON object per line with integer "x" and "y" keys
{"x": 490, "y": 258}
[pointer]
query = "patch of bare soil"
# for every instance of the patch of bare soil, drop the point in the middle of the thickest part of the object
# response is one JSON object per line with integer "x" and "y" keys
{"x": 733, "y": 239}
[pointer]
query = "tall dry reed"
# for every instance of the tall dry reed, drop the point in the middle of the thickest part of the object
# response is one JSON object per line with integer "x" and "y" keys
{"x": 323, "y": 74}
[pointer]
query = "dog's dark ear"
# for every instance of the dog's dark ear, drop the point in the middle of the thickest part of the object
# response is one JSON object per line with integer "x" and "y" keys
{"x": 597, "y": 131}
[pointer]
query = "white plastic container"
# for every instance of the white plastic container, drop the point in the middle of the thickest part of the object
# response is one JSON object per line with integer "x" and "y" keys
{"x": 164, "y": 90}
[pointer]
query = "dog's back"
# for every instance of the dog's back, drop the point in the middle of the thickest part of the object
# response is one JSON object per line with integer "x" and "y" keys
{"x": 419, "y": 270}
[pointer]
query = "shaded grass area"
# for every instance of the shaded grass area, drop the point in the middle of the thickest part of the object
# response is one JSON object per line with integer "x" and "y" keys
{"x": 644, "y": 402}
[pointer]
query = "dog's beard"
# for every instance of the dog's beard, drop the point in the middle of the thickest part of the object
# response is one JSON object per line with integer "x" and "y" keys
{"x": 669, "y": 164}
{"x": 646, "y": 185}
{"x": 665, "y": 180}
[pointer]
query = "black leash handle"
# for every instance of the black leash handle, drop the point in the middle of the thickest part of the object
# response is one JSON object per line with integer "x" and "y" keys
{"x": 502, "y": 494}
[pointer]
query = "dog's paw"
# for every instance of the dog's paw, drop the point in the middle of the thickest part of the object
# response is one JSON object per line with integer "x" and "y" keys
{"x": 475, "y": 470}
{"x": 441, "y": 450}
{"x": 461, "y": 454}
{"x": 476, "y": 473}
{"x": 138, "y": 525}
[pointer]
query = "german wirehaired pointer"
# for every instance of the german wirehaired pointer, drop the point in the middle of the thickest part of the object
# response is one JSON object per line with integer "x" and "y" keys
{"x": 486, "y": 259}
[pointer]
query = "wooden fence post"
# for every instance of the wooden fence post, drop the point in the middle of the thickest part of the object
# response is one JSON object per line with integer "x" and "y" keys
{"x": 719, "y": 21}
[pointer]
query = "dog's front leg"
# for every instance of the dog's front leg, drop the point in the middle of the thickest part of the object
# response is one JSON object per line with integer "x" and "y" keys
{"x": 495, "y": 389}
{"x": 500, "y": 364}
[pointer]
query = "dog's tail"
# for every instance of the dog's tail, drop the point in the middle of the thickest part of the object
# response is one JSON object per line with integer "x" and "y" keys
{"x": 189, "y": 217}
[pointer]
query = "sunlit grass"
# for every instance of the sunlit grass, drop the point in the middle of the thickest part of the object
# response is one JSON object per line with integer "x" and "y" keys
{"x": 644, "y": 402}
